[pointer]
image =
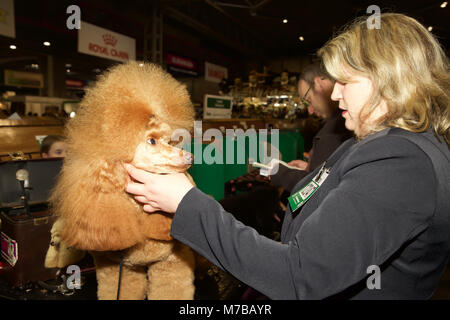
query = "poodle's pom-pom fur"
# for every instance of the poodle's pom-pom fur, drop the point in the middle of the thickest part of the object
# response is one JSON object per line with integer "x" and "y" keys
{"x": 90, "y": 193}
{"x": 116, "y": 111}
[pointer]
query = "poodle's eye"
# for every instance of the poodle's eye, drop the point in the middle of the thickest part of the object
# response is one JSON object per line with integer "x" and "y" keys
{"x": 151, "y": 141}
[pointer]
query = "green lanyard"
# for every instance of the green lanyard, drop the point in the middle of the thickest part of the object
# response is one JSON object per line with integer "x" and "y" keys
{"x": 300, "y": 197}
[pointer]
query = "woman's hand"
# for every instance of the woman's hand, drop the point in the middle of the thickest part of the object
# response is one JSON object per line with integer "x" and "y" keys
{"x": 157, "y": 192}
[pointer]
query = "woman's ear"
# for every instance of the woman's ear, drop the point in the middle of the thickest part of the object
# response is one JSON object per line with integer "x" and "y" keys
{"x": 381, "y": 111}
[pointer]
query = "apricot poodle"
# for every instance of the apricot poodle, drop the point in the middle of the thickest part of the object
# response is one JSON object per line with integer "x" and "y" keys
{"x": 128, "y": 116}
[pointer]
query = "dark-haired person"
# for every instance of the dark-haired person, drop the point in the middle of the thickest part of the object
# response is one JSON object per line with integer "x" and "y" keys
{"x": 53, "y": 146}
{"x": 373, "y": 221}
{"x": 315, "y": 87}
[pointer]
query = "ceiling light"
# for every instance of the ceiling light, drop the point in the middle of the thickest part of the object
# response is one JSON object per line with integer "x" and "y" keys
{"x": 13, "y": 47}
{"x": 141, "y": 64}
{"x": 430, "y": 28}
{"x": 301, "y": 38}
{"x": 68, "y": 70}
{"x": 285, "y": 21}
{"x": 46, "y": 43}
{"x": 72, "y": 114}
{"x": 444, "y": 4}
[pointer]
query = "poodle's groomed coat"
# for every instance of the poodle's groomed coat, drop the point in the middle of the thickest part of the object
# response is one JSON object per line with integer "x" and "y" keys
{"x": 126, "y": 117}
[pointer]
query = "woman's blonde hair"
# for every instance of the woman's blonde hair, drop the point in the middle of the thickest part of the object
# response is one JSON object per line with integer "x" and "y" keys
{"x": 407, "y": 66}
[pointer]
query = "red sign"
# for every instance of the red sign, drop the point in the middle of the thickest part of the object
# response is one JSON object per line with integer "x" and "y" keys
{"x": 181, "y": 62}
{"x": 214, "y": 72}
{"x": 9, "y": 249}
{"x": 219, "y": 74}
{"x": 75, "y": 83}
{"x": 95, "y": 48}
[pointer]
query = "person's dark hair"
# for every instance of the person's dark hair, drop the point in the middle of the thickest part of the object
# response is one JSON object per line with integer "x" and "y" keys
{"x": 48, "y": 141}
{"x": 311, "y": 71}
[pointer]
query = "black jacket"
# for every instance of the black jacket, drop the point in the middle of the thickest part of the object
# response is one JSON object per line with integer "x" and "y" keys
{"x": 385, "y": 203}
{"x": 325, "y": 142}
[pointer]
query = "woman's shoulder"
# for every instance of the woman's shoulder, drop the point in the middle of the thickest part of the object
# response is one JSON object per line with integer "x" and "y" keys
{"x": 394, "y": 143}
{"x": 389, "y": 161}
{"x": 398, "y": 141}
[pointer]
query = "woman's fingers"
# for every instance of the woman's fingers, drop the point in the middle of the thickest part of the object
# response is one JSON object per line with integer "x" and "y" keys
{"x": 135, "y": 173}
{"x": 141, "y": 199}
{"x": 157, "y": 192}
{"x": 150, "y": 208}
{"x": 135, "y": 188}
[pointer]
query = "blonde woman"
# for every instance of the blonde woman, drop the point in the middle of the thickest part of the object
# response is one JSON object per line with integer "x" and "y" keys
{"x": 373, "y": 222}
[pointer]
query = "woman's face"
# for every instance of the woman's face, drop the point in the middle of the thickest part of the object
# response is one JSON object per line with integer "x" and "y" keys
{"x": 352, "y": 97}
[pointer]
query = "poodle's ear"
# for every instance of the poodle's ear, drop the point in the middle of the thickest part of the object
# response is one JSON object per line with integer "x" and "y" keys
{"x": 107, "y": 177}
{"x": 97, "y": 212}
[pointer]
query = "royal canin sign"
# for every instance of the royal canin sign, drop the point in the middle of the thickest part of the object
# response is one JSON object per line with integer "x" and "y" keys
{"x": 105, "y": 43}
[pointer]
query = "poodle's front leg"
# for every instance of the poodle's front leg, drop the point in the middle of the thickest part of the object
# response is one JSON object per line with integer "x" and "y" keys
{"x": 133, "y": 283}
{"x": 173, "y": 277}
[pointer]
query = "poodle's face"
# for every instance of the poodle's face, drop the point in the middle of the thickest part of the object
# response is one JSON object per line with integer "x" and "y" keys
{"x": 158, "y": 155}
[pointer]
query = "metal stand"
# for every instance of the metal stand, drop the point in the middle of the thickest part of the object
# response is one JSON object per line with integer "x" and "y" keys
{"x": 153, "y": 37}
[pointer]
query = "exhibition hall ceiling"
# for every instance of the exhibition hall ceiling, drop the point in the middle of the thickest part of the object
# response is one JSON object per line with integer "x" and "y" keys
{"x": 251, "y": 29}
{"x": 279, "y": 24}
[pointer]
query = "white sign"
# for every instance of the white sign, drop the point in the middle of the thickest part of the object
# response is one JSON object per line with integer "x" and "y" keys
{"x": 105, "y": 43}
{"x": 215, "y": 73}
{"x": 7, "y": 23}
{"x": 23, "y": 79}
{"x": 217, "y": 107}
